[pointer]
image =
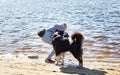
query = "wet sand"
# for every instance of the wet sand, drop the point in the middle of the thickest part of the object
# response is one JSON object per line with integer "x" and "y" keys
{"x": 37, "y": 66}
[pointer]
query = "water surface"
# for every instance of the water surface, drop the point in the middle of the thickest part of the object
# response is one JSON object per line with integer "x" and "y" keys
{"x": 99, "y": 21}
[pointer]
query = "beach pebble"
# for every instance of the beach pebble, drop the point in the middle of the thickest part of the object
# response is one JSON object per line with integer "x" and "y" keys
{"x": 33, "y": 56}
{"x": 110, "y": 69}
{"x": 54, "y": 71}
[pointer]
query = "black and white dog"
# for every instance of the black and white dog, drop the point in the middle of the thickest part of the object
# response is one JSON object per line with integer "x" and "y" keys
{"x": 72, "y": 44}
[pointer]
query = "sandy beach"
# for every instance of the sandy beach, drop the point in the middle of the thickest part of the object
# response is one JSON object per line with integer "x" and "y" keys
{"x": 37, "y": 66}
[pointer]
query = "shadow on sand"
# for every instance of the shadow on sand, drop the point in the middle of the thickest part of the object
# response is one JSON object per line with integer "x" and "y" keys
{"x": 70, "y": 69}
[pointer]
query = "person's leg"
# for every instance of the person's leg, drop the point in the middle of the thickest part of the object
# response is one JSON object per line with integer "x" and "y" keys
{"x": 51, "y": 54}
{"x": 48, "y": 60}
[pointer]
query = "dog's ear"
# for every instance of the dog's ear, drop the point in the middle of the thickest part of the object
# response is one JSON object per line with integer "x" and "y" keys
{"x": 41, "y": 33}
{"x": 61, "y": 33}
{"x": 66, "y": 34}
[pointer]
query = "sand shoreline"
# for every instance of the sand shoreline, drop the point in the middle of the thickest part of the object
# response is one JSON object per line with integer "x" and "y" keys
{"x": 37, "y": 66}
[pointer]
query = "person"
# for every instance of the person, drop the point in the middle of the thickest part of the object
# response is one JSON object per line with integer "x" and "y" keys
{"x": 46, "y": 36}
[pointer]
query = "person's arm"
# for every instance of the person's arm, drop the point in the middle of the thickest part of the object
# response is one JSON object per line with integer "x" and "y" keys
{"x": 59, "y": 27}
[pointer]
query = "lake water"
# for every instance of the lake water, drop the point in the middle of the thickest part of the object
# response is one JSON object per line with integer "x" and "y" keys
{"x": 98, "y": 20}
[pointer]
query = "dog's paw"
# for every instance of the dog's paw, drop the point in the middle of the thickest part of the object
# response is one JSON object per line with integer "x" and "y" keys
{"x": 62, "y": 64}
{"x": 79, "y": 67}
{"x": 56, "y": 63}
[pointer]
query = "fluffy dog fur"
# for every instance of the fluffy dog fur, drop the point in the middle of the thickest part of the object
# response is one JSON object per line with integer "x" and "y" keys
{"x": 72, "y": 44}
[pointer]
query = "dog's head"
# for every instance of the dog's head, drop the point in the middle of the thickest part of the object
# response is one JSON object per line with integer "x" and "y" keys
{"x": 58, "y": 33}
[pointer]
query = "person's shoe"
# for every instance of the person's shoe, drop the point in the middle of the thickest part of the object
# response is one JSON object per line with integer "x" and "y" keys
{"x": 49, "y": 61}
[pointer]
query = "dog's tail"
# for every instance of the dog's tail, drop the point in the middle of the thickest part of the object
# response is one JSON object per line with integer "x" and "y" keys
{"x": 77, "y": 37}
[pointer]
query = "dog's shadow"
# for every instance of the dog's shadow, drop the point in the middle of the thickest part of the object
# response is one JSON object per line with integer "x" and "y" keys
{"x": 70, "y": 69}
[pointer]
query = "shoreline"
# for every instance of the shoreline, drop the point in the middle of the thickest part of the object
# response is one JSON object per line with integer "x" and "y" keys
{"x": 36, "y": 66}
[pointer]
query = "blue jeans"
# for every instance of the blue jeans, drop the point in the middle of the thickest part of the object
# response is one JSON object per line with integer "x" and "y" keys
{"x": 51, "y": 54}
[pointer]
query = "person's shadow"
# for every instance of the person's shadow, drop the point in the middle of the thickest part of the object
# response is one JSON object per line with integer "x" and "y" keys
{"x": 70, "y": 69}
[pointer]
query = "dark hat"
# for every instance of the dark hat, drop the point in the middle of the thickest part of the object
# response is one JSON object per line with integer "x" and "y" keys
{"x": 41, "y": 33}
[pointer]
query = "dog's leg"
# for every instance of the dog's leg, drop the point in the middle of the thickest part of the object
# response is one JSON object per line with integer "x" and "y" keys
{"x": 63, "y": 55}
{"x": 56, "y": 60}
{"x": 81, "y": 62}
{"x": 81, "y": 58}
